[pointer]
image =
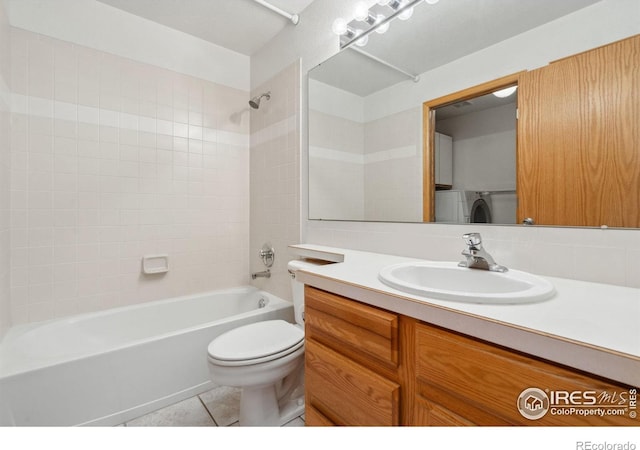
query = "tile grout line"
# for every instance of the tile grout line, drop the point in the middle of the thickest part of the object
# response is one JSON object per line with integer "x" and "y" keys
{"x": 207, "y": 410}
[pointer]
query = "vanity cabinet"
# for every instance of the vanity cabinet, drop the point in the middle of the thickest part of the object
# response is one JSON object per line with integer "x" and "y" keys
{"x": 351, "y": 362}
{"x": 368, "y": 366}
{"x": 464, "y": 381}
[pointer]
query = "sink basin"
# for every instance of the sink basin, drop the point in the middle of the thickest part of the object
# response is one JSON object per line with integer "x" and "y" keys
{"x": 447, "y": 281}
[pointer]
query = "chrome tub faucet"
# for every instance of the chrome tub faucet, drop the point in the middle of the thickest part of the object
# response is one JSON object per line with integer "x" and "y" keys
{"x": 476, "y": 256}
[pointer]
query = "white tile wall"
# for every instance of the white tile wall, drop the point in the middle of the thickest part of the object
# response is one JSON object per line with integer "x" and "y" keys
{"x": 393, "y": 174}
{"x": 275, "y": 176}
{"x": 113, "y": 159}
{"x": 598, "y": 255}
{"x": 5, "y": 156}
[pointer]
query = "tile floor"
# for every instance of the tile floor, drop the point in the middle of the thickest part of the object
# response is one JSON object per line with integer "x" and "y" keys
{"x": 217, "y": 407}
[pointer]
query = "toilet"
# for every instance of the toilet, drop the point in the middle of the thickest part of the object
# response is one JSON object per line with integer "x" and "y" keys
{"x": 266, "y": 360}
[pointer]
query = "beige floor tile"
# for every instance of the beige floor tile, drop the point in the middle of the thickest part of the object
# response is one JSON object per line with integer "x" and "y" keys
{"x": 223, "y": 404}
{"x": 187, "y": 413}
{"x": 297, "y": 422}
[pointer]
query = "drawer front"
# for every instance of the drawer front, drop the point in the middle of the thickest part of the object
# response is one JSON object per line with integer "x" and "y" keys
{"x": 351, "y": 327}
{"x": 477, "y": 376}
{"x": 431, "y": 414}
{"x": 343, "y": 392}
{"x": 314, "y": 418}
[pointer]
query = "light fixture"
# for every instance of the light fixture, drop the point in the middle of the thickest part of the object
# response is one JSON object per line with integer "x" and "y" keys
{"x": 361, "y": 12}
{"x": 502, "y": 93}
{"x": 406, "y": 14}
{"x": 339, "y": 26}
{"x": 363, "y": 40}
{"x": 432, "y": 2}
{"x": 381, "y": 28}
{"x": 373, "y": 19}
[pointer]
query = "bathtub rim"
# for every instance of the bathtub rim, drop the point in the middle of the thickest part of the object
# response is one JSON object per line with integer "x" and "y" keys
{"x": 20, "y": 330}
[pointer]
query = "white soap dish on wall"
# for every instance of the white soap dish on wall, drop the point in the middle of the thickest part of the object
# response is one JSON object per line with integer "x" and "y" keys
{"x": 153, "y": 264}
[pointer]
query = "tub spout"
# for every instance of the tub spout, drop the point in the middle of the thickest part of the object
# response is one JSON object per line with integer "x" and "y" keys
{"x": 263, "y": 274}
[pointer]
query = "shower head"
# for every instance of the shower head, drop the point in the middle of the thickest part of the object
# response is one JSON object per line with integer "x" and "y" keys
{"x": 255, "y": 101}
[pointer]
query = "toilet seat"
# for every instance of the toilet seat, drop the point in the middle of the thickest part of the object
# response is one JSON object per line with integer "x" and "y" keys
{"x": 255, "y": 343}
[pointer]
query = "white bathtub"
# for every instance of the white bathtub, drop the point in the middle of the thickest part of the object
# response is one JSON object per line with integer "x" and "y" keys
{"x": 108, "y": 367}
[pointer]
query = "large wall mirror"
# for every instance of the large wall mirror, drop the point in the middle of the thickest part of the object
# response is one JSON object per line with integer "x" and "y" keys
{"x": 376, "y": 155}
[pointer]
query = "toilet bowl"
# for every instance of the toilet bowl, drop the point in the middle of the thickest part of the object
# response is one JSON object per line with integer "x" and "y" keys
{"x": 266, "y": 360}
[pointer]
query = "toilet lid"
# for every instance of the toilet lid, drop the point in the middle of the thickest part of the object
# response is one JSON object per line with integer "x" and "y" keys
{"x": 256, "y": 340}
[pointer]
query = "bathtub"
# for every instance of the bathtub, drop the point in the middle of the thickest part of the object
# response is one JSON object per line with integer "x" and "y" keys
{"x": 109, "y": 367}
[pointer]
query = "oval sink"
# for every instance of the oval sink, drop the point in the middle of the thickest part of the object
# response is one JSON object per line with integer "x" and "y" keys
{"x": 447, "y": 281}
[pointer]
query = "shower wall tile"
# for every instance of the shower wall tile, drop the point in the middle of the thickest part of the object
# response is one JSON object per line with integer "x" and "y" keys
{"x": 5, "y": 170}
{"x": 275, "y": 177}
{"x": 112, "y": 159}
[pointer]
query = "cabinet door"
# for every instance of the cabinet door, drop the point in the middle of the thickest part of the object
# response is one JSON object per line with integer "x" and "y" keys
{"x": 489, "y": 385}
{"x": 444, "y": 160}
{"x": 578, "y": 139}
{"x": 342, "y": 392}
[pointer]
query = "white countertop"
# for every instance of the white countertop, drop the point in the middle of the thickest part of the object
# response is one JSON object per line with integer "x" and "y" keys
{"x": 589, "y": 326}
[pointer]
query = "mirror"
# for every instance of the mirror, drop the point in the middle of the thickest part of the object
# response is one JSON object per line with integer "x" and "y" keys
{"x": 366, "y": 117}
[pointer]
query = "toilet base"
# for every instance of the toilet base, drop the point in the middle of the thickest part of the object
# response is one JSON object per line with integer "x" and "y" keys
{"x": 259, "y": 407}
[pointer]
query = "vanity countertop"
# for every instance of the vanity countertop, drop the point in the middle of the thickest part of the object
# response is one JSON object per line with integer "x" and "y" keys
{"x": 587, "y": 326}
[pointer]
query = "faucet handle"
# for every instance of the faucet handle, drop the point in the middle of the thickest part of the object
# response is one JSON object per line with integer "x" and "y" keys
{"x": 473, "y": 240}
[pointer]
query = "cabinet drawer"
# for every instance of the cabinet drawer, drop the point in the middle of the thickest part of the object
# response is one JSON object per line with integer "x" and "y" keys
{"x": 351, "y": 327}
{"x": 428, "y": 413}
{"x": 478, "y": 376}
{"x": 314, "y": 418}
{"x": 345, "y": 393}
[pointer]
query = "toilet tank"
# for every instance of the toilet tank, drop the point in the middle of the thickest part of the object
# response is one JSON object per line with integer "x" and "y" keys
{"x": 297, "y": 288}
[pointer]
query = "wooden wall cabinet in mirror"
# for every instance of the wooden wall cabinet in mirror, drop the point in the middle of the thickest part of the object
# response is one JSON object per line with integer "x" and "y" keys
{"x": 579, "y": 139}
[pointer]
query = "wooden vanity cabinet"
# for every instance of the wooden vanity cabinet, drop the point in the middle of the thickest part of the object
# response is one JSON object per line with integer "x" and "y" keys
{"x": 354, "y": 367}
{"x": 368, "y": 366}
{"x": 465, "y": 381}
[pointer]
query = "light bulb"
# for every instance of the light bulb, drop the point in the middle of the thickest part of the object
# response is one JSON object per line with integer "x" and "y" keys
{"x": 406, "y": 14}
{"x": 363, "y": 40}
{"x": 361, "y": 12}
{"x": 339, "y": 26}
{"x": 502, "y": 93}
{"x": 383, "y": 28}
{"x": 383, "y": 2}
{"x": 432, "y": 2}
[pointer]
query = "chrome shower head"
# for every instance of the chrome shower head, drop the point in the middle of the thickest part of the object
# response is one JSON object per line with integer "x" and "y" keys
{"x": 255, "y": 101}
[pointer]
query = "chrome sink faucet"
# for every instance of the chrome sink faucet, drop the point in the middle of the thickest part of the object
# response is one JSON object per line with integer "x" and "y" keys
{"x": 476, "y": 256}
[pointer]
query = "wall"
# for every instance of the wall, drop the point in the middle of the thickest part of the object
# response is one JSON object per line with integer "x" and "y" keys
{"x": 5, "y": 164}
{"x": 358, "y": 170}
{"x": 113, "y": 159}
{"x": 589, "y": 254}
{"x": 393, "y": 167}
{"x": 336, "y": 169}
{"x": 484, "y": 148}
{"x": 275, "y": 176}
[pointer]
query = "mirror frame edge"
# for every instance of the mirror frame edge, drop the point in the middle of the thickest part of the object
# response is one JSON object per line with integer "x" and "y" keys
{"x": 428, "y": 133}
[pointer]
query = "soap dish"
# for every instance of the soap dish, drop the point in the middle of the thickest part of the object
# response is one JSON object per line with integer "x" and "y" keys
{"x": 153, "y": 264}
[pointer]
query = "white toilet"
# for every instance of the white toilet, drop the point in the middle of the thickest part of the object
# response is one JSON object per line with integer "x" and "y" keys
{"x": 266, "y": 360}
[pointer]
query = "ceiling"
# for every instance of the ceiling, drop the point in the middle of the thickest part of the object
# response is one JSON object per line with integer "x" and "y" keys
{"x": 436, "y": 35}
{"x": 243, "y": 26}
